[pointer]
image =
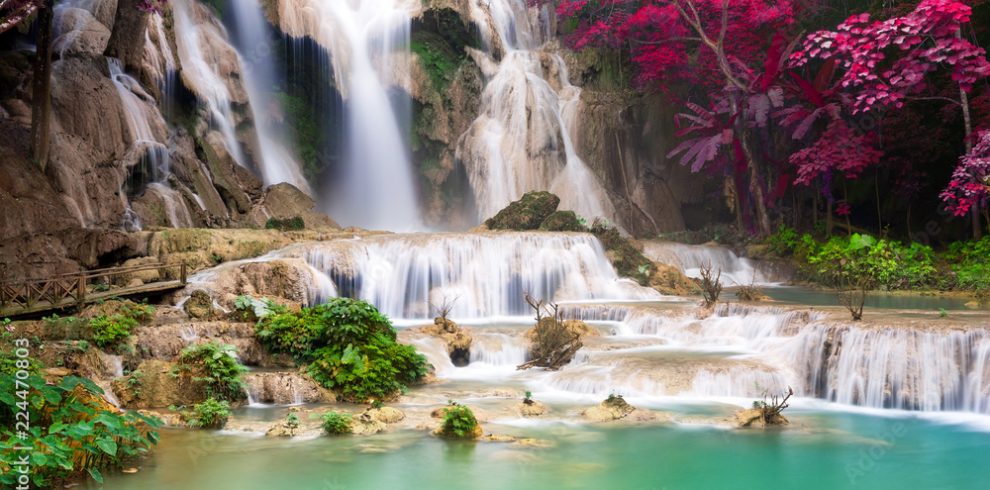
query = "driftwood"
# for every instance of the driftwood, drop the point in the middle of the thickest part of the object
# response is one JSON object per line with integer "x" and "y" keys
{"x": 854, "y": 299}
{"x": 554, "y": 344}
{"x": 771, "y": 411}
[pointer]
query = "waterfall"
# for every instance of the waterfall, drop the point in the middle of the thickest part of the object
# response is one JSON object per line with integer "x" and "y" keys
{"x": 175, "y": 206}
{"x": 906, "y": 368}
{"x": 191, "y": 38}
{"x": 498, "y": 349}
{"x": 143, "y": 139}
{"x": 522, "y": 140}
{"x": 485, "y": 275}
{"x": 364, "y": 39}
{"x": 161, "y": 58}
{"x": 736, "y": 271}
{"x": 72, "y": 19}
{"x": 252, "y": 40}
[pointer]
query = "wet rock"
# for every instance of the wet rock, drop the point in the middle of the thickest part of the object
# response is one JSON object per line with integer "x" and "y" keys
{"x": 200, "y": 306}
{"x": 385, "y": 415}
{"x": 525, "y": 214}
{"x": 284, "y": 388}
{"x": 157, "y": 384}
{"x": 754, "y": 417}
{"x": 613, "y": 408}
{"x": 532, "y": 409}
{"x": 283, "y": 428}
{"x": 365, "y": 425}
{"x": 458, "y": 339}
{"x": 671, "y": 281}
{"x": 563, "y": 221}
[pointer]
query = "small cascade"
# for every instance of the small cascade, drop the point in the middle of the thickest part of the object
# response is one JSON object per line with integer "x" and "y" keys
{"x": 113, "y": 365}
{"x": 161, "y": 58}
{"x": 76, "y": 28}
{"x": 365, "y": 40}
{"x": 488, "y": 274}
{"x": 192, "y": 38}
{"x": 136, "y": 114}
{"x": 522, "y": 140}
{"x": 499, "y": 350}
{"x": 278, "y": 164}
{"x": 175, "y": 206}
{"x": 736, "y": 271}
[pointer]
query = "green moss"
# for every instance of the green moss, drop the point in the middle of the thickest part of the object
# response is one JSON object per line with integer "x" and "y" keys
{"x": 563, "y": 221}
{"x": 439, "y": 60}
{"x": 305, "y": 129}
{"x": 525, "y": 214}
{"x": 289, "y": 224}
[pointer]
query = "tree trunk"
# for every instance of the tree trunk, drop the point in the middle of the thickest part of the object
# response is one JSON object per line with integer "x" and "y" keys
{"x": 755, "y": 189}
{"x": 41, "y": 108}
{"x": 127, "y": 38}
{"x": 967, "y": 134}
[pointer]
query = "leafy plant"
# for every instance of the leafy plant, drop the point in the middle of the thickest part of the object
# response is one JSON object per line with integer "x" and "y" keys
{"x": 292, "y": 420}
{"x": 110, "y": 330}
{"x": 349, "y": 347}
{"x": 335, "y": 423}
{"x": 210, "y": 414}
{"x": 528, "y": 398}
{"x": 73, "y": 430}
{"x": 459, "y": 422}
{"x": 215, "y": 365}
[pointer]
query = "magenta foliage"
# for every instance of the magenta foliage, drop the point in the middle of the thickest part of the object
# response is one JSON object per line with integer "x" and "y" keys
{"x": 886, "y": 61}
{"x": 970, "y": 184}
{"x": 839, "y": 149}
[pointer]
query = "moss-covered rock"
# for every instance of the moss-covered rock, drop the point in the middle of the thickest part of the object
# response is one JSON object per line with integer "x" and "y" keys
{"x": 625, "y": 255}
{"x": 563, "y": 221}
{"x": 528, "y": 213}
{"x": 669, "y": 280}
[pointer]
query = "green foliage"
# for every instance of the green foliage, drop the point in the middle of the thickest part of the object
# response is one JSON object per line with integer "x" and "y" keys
{"x": 73, "y": 431}
{"x": 785, "y": 241}
{"x": 211, "y": 414}
{"x": 349, "y": 346}
{"x": 971, "y": 264}
{"x": 216, "y": 366}
{"x": 336, "y": 424}
{"x": 292, "y": 420}
{"x": 439, "y": 61}
{"x": 458, "y": 422}
{"x": 288, "y": 224}
{"x": 528, "y": 398}
{"x": 860, "y": 259}
{"x": 110, "y": 330}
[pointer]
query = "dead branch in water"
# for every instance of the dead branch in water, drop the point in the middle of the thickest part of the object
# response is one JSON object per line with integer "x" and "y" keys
{"x": 711, "y": 286}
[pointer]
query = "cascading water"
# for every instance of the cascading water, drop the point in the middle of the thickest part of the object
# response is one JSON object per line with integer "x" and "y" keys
{"x": 484, "y": 275}
{"x": 522, "y": 139}
{"x": 161, "y": 59}
{"x": 199, "y": 73}
{"x": 364, "y": 38}
{"x": 736, "y": 271}
{"x": 252, "y": 40}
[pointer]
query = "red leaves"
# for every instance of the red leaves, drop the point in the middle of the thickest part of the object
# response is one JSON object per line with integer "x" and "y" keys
{"x": 970, "y": 184}
{"x": 839, "y": 149}
{"x": 922, "y": 41}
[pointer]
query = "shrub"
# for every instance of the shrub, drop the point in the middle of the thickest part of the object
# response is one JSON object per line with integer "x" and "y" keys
{"x": 459, "y": 422}
{"x": 73, "y": 429}
{"x": 335, "y": 423}
{"x": 289, "y": 224}
{"x": 110, "y": 330}
{"x": 861, "y": 259}
{"x": 628, "y": 260}
{"x": 784, "y": 241}
{"x": 349, "y": 346}
{"x": 211, "y": 414}
{"x": 216, "y": 366}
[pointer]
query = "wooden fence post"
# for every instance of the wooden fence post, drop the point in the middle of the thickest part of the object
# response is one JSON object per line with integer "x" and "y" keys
{"x": 182, "y": 273}
{"x": 81, "y": 290}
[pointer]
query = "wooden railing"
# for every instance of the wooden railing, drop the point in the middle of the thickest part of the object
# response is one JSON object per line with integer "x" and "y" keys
{"x": 67, "y": 290}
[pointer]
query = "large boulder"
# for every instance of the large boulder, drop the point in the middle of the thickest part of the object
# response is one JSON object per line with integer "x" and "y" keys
{"x": 200, "y": 306}
{"x": 613, "y": 408}
{"x": 284, "y": 202}
{"x": 754, "y": 417}
{"x": 525, "y": 214}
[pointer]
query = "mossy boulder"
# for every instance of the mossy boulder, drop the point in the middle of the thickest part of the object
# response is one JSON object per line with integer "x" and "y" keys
{"x": 625, "y": 255}
{"x": 528, "y": 213}
{"x": 563, "y": 221}
{"x": 669, "y": 280}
